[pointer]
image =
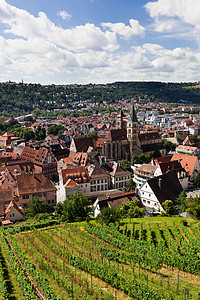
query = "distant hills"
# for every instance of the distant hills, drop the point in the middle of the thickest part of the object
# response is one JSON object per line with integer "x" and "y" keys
{"x": 20, "y": 98}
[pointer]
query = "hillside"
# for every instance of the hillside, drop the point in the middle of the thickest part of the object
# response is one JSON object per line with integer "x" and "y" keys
{"x": 151, "y": 258}
{"x": 20, "y": 99}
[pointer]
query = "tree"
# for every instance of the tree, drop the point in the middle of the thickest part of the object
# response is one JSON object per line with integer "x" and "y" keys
{"x": 109, "y": 215}
{"x": 169, "y": 207}
{"x": 76, "y": 208}
{"x": 59, "y": 208}
{"x": 131, "y": 209}
{"x": 93, "y": 134}
{"x": 157, "y": 153}
{"x": 126, "y": 165}
{"x": 181, "y": 201}
{"x": 169, "y": 146}
{"x": 193, "y": 206}
{"x": 134, "y": 159}
{"x": 40, "y": 133}
{"x": 194, "y": 138}
{"x": 55, "y": 129}
{"x": 130, "y": 185}
{"x": 36, "y": 206}
{"x": 197, "y": 181}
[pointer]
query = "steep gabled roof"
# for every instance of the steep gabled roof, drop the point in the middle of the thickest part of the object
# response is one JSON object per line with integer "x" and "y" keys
{"x": 149, "y": 136}
{"x": 12, "y": 205}
{"x": 171, "y": 165}
{"x": 187, "y": 161}
{"x": 166, "y": 186}
{"x": 83, "y": 143}
{"x": 118, "y": 170}
{"x": 116, "y": 135}
{"x": 71, "y": 183}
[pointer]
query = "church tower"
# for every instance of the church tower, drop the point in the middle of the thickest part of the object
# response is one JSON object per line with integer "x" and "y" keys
{"x": 120, "y": 123}
{"x": 132, "y": 131}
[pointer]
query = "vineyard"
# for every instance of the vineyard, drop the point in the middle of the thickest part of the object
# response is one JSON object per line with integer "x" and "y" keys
{"x": 138, "y": 260}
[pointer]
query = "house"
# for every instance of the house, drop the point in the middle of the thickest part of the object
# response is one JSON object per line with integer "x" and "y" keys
{"x": 189, "y": 163}
{"x": 175, "y": 165}
{"x": 159, "y": 189}
{"x": 143, "y": 173}
{"x": 188, "y": 150}
{"x": 14, "y": 213}
{"x": 105, "y": 176}
{"x": 112, "y": 200}
{"x": 43, "y": 159}
{"x": 23, "y": 186}
{"x": 7, "y": 138}
{"x": 81, "y": 144}
{"x": 73, "y": 179}
{"x": 160, "y": 166}
{"x": 119, "y": 176}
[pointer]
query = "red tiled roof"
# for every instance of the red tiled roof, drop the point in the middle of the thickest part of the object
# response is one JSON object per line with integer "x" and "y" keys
{"x": 12, "y": 205}
{"x": 187, "y": 161}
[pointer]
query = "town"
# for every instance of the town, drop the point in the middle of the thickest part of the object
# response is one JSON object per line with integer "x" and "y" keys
{"x": 101, "y": 155}
{"x": 100, "y": 199}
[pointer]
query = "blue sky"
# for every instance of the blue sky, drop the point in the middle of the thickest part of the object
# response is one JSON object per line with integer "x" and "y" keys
{"x": 99, "y": 41}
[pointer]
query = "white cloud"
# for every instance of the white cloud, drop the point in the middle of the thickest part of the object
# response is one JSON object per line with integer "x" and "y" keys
{"x": 171, "y": 12}
{"x": 79, "y": 38}
{"x": 34, "y": 47}
{"x": 64, "y": 15}
{"x": 124, "y": 31}
{"x": 187, "y": 11}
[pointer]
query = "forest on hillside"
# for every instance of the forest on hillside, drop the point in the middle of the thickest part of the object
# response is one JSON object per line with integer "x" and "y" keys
{"x": 19, "y": 98}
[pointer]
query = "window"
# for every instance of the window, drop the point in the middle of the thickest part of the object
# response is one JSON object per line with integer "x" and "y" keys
{"x": 44, "y": 194}
{"x": 48, "y": 201}
{"x": 40, "y": 194}
{"x": 25, "y": 197}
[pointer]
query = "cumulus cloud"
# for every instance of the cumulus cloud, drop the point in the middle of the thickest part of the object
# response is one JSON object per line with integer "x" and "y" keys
{"x": 175, "y": 15}
{"x": 187, "y": 11}
{"x": 64, "y": 15}
{"x": 79, "y": 38}
{"x": 124, "y": 31}
{"x": 35, "y": 46}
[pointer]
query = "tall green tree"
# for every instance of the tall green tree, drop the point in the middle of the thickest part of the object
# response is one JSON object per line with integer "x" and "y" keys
{"x": 181, "y": 201}
{"x": 109, "y": 215}
{"x": 76, "y": 208}
{"x": 36, "y": 206}
{"x": 169, "y": 207}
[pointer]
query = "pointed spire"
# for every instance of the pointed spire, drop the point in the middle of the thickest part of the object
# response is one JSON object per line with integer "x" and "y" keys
{"x": 132, "y": 116}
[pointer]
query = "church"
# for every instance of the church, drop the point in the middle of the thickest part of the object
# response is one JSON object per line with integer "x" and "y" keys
{"x": 126, "y": 140}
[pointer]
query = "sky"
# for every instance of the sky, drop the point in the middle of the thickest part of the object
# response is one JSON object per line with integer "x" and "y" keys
{"x": 99, "y": 41}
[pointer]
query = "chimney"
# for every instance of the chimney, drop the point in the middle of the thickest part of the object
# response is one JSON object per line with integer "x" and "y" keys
{"x": 160, "y": 183}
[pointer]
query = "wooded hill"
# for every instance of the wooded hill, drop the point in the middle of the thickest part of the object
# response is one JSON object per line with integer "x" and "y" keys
{"x": 19, "y": 98}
